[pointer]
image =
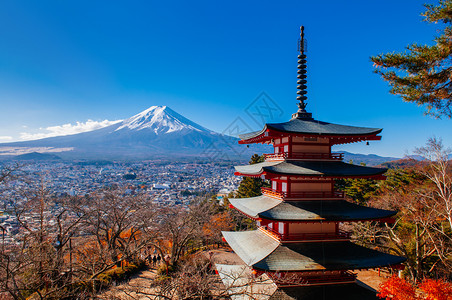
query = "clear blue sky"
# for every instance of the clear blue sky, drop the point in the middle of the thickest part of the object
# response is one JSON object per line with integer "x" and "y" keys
{"x": 68, "y": 61}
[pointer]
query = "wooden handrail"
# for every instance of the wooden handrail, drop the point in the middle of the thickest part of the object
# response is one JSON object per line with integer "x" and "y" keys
{"x": 340, "y": 235}
{"x": 285, "y": 155}
{"x": 304, "y": 194}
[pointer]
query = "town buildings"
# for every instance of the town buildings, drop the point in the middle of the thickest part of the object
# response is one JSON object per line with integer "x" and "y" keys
{"x": 163, "y": 183}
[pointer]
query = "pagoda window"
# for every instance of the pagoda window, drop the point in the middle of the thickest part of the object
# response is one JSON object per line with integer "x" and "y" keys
{"x": 274, "y": 185}
{"x": 281, "y": 227}
{"x": 284, "y": 187}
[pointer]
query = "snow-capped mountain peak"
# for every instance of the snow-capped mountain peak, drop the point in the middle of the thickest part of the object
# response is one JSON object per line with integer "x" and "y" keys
{"x": 160, "y": 120}
{"x": 155, "y": 133}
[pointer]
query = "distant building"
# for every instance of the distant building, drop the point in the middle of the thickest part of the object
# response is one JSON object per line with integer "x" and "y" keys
{"x": 157, "y": 186}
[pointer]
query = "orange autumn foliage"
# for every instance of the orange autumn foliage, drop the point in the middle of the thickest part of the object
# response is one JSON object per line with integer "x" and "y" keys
{"x": 216, "y": 224}
{"x": 397, "y": 288}
{"x": 436, "y": 289}
{"x": 130, "y": 233}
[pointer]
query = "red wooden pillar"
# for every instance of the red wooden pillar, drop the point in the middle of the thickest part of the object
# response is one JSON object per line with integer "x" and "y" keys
{"x": 289, "y": 186}
{"x": 289, "y": 154}
{"x": 286, "y": 229}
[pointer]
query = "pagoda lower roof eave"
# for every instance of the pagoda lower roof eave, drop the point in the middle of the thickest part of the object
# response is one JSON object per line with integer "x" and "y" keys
{"x": 262, "y": 252}
{"x": 268, "y": 175}
{"x": 309, "y": 169}
{"x": 241, "y": 282}
{"x": 268, "y": 208}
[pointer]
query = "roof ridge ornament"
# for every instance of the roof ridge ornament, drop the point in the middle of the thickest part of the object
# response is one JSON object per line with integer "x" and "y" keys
{"x": 302, "y": 113}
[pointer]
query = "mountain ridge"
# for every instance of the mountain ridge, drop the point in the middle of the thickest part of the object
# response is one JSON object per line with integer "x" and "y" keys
{"x": 155, "y": 132}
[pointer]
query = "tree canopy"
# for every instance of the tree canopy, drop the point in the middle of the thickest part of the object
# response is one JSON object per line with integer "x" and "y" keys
{"x": 422, "y": 74}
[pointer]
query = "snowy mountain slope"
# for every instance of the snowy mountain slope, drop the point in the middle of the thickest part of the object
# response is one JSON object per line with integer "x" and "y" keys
{"x": 160, "y": 119}
{"x": 157, "y": 132}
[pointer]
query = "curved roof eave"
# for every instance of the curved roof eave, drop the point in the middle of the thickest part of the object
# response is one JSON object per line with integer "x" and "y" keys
{"x": 308, "y": 168}
{"x": 308, "y": 210}
{"x": 312, "y": 127}
{"x": 311, "y": 256}
{"x": 263, "y": 252}
{"x": 326, "y": 210}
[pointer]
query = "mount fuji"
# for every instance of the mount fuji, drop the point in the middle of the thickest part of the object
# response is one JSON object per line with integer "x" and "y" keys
{"x": 155, "y": 133}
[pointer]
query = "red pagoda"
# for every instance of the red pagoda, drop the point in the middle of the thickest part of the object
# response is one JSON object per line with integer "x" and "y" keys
{"x": 299, "y": 244}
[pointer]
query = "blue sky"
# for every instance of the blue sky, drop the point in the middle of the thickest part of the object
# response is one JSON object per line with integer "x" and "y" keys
{"x": 63, "y": 62}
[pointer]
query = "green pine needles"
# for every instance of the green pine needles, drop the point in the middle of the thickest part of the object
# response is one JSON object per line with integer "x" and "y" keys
{"x": 422, "y": 74}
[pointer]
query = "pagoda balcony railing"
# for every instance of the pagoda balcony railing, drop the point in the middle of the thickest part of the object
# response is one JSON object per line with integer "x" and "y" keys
{"x": 340, "y": 235}
{"x": 285, "y": 155}
{"x": 307, "y": 194}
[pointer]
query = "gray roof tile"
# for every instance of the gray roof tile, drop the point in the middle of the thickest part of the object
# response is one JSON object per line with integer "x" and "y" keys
{"x": 313, "y": 127}
{"x": 329, "y": 210}
{"x": 261, "y": 251}
{"x": 309, "y": 168}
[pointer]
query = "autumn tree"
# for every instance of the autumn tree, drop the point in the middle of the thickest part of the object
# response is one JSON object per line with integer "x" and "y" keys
{"x": 117, "y": 227}
{"x": 436, "y": 197}
{"x": 436, "y": 289}
{"x": 422, "y": 231}
{"x": 36, "y": 264}
{"x": 181, "y": 226}
{"x": 422, "y": 74}
{"x": 218, "y": 222}
{"x": 406, "y": 237}
{"x": 396, "y": 288}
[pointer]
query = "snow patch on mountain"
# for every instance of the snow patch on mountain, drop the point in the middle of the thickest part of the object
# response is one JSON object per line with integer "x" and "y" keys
{"x": 161, "y": 120}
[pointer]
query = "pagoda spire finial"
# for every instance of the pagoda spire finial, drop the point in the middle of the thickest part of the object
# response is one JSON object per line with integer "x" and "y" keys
{"x": 302, "y": 113}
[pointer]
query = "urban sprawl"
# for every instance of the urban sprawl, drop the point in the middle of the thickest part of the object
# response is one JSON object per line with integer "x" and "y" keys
{"x": 165, "y": 184}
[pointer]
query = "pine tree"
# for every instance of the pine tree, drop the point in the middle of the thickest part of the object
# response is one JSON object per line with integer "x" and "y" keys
{"x": 251, "y": 186}
{"x": 422, "y": 74}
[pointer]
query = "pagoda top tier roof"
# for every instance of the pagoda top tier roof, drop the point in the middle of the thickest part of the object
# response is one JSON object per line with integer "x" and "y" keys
{"x": 311, "y": 127}
{"x": 335, "y": 169}
{"x": 260, "y": 251}
{"x": 316, "y": 210}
